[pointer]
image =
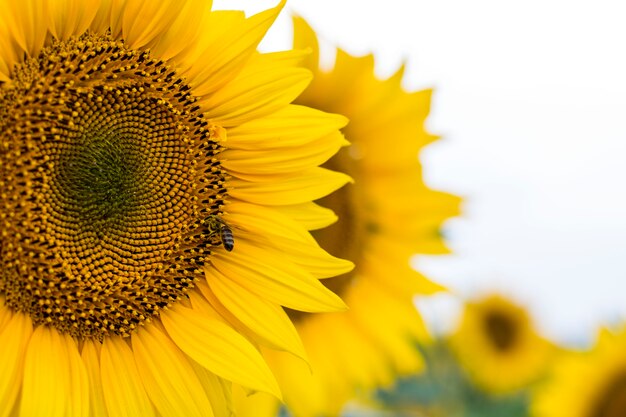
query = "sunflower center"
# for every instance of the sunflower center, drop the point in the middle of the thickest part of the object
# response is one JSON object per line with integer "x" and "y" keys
{"x": 501, "y": 331}
{"x": 612, "y": 402}
{"x": 108, "y": 175}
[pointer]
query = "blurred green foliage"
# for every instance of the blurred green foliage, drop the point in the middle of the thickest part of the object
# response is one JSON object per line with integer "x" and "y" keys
{"x": 443, "y": 390}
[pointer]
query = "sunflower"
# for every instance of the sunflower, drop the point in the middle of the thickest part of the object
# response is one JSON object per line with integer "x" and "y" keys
{"x": 385, "y": 217}
{"x": 586, "y": 384}
{"x": 498, "y": 347}
{"x": 157, "y": 191}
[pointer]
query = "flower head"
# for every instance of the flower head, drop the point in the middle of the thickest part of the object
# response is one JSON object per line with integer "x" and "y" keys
{"x": 498, "y": 346}
{"x": 586, "y": 384}
{"x": 153, "y": 172}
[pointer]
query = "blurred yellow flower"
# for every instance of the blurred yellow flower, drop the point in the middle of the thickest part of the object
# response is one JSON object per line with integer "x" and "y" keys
{"x": 154, "y": 175}
{"x": 586, "y": 384}
{"x": 385, "y": 217}
{"x": 498, "y": 347}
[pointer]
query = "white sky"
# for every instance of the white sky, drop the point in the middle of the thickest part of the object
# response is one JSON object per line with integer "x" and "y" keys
{"x": 531, "y": 100}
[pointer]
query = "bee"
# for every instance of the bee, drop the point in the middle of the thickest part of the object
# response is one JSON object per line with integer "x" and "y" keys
{"x": 216, "y": 224}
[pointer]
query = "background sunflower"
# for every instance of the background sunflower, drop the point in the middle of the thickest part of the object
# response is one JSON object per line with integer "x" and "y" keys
{"x": 586, "y": 383}
{"x": 498, "y": 346}
{"x": 385, "y": 217}
{"x": 517, "y": 134}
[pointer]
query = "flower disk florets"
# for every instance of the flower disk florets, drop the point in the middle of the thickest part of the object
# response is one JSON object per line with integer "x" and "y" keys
{"x": 108, "y": 171}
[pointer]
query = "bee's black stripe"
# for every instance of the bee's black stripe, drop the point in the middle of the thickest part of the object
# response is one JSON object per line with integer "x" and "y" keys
{"x": 227, "y": 237}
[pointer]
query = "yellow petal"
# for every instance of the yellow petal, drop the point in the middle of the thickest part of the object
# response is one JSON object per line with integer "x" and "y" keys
{"x": 26, "y": 24}
{"x": 187, "y": 26}
{"x": 299, "y": 126}
{"x": 79, "y": 381}
{"x": 219, "y": 348}
{"x": 104, "y": 20}
{"x": 196, "y": 63}
{"x": 407, "y": 282}
{"x": 4, "y": 71}
{"x": 8, "y": 54}
{"x": 226, "y": 44}
{"x": 309, "y": 215}
{"x": 143, "y": 21}
{"x": 313, "y": 184}
{"x": 304, "y": 37}
{"x": 217, "y": 390}
{"x": 395, "y": 317}
{"x": 266, "y": 319}
{"x": 46, "y": 387}
{"x": 414, "y": 282}
{"x": 266, "y": 221}
{"x": 256, "y": 405}
{"x": 14, "y": 336}
{"x": 312, "y": 258}
{"x": 364, "y": 366}
{"x": 124, "y": 393}
{"x": 283, "y": 160}
{"x": 91, "y": 358}
{"x": 214, "y": 307}
{"x": 5, "y": 314}
{"x": 269, "y": 227}
{"x": 71, "y": 17}
{"x": 275, "y": 279}
{"x": 259, "y": 90}
{"x": 167, "y": 376}
{"x": 305, "y": 392}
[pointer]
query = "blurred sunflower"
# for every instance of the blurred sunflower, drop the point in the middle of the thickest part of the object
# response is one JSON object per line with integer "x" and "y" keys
{"x": 498, "y": 347}
{"x": 586, "y": 384}
{"x": 155, "y": 180}
{"x": 387, "y": 216}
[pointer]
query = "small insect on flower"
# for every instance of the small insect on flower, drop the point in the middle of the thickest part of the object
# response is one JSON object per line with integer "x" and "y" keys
{"x": 216, "y": 224}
